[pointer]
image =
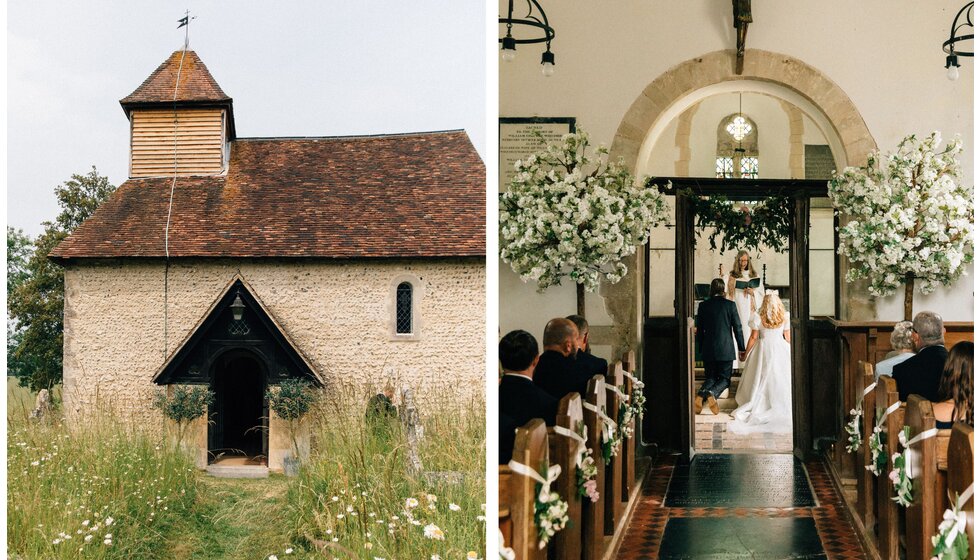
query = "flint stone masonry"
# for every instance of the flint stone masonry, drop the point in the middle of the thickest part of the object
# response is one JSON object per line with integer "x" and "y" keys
{"x": 337, "y": 313}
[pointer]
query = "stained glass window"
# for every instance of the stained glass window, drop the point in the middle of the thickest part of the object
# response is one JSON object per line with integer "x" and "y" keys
{"x": 724, "y": 167}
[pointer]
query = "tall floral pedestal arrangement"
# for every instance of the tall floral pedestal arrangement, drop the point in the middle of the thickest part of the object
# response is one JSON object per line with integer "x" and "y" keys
{"x": 909, "y": 218}
{"x": 570, "y": 214}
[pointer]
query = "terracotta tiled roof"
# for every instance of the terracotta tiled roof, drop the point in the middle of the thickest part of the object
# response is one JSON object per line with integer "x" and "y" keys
{"x": 409, "y": 195}
{"x": 196, "y": 83}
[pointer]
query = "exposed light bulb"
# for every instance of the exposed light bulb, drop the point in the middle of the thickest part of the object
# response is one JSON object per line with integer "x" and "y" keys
{"x": 508, "y": 48}
{"x": 508, "y": 55}
{"x": 548, "y": 63}
{"x": 953, "y": 73}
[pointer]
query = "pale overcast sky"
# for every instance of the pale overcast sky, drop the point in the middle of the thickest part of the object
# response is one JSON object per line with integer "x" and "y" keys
{"x": 292, "y": 68}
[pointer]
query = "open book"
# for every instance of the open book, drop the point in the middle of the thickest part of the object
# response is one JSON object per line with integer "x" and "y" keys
{"x": 750, "y": 283}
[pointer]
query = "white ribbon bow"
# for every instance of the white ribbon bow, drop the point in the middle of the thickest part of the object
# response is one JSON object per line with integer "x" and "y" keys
{"x": 956, "y": 517}
{"x": 622, "y": 396}
{"x": 579, "y": 449}
{"x": 635, "y": 381}
{"x": 553, "y": 471}
{"x": 608, "y": 425}
{"x": 908, "y": 445}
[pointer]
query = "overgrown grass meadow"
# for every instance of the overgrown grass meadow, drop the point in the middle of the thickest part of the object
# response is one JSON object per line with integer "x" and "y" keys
{"x": 354, "y": 499}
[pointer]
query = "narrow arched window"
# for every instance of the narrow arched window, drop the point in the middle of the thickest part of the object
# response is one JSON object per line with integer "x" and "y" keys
{"x": 737, "y": 156}
{"x": 403, "y": 309}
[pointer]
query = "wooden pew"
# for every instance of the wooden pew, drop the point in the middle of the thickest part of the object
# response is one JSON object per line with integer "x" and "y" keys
{"x": 517, "y": 496}
{"x": 614, "y": 470}
{"x": 960, "y": 460}
{"x": 928, "y": 460}
{"x": 629, "y": 445}
{"x": 865, "y": 479}
{"x": 886, "y": 394}
{"x": 593, "y": 529}
{"x": 504, "y": 520}
{"x": 562, "y": 450}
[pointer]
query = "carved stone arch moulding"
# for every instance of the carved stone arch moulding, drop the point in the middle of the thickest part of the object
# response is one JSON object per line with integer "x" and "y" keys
{"x": 660, "y": 99}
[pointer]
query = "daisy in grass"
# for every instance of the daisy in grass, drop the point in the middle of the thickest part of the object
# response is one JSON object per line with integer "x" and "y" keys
{"x": 431, "y": 531}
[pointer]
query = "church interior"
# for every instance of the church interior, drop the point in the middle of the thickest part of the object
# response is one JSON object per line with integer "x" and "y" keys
{"x": 748, "y": 122}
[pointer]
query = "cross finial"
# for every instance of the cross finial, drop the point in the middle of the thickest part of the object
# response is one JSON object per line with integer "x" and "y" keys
{"x": 185, "y": 22}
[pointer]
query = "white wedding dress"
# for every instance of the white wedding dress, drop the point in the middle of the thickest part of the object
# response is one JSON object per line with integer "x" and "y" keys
{"x": 765, "y": 392}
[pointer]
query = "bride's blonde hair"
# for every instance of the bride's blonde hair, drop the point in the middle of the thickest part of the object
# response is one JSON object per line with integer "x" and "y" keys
{"x": 772, "y": 313}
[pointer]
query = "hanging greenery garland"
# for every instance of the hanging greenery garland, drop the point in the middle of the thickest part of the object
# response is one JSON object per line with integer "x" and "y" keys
{"x": 742, "y": 225}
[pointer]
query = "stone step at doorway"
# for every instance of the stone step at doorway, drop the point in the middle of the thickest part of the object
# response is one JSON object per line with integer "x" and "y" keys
{"x": 711, "y": 430}
{"x": 238, "y": 467}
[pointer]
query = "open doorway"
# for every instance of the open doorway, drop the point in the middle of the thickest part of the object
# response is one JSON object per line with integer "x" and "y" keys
{"x": 754, "y": 414}
{"x": 238, "y": 430}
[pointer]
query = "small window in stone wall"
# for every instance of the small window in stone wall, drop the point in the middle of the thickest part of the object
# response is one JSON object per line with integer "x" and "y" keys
{"x": 403, "y": 309}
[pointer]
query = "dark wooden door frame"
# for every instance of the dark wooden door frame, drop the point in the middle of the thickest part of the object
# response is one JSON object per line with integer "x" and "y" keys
{"x": 216, "y": 410}
{"x": 801, "y": 191}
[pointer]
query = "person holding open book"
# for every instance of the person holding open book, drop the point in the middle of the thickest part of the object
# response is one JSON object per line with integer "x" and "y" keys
{"x": 744, "y": 287}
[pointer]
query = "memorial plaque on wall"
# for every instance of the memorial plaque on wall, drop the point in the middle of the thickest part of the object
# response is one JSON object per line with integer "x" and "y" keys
{"x": 819, "y": 161}
{"x": 518, "y": 139}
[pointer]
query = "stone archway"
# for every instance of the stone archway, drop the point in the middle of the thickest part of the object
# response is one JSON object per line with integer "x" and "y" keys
{"x": 660, "y": 96}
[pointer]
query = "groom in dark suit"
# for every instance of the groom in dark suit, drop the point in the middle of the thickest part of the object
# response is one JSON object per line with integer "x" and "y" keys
{"x": 717, "y": 321}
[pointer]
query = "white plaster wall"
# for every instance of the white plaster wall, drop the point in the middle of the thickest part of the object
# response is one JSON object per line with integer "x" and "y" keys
{"x": 338, "y": 315}
{"x": 885, "y": 55}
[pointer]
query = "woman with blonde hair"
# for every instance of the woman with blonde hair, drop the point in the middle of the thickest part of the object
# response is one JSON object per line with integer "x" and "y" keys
{"x": 765, "y": 393}
{"x": 956, "y": 387}
{"x": 747, "y": 300}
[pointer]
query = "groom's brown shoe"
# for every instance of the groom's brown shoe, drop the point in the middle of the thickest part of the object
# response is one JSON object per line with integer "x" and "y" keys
{"x": 713, "y": 404}
{"x": 698, "y": 404}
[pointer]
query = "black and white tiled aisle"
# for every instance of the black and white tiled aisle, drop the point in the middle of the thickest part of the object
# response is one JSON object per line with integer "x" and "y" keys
{"x": 739, "y": 506}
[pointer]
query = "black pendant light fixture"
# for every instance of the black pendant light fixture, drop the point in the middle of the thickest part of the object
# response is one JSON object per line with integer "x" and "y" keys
{"x": 535, "y": 28}
{"x": 954, "y": 47}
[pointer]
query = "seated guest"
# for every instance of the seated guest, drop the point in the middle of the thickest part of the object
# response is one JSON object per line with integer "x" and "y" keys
{"x": 520, "y": 399}
{"x": 902, "y": 349}
{"x": 919, "y": 375}
{"x": 556, "y": 372}
{"x": 506, "y": 429}
{"x": 585, "y": 362}
{"x": 956, "y": 388}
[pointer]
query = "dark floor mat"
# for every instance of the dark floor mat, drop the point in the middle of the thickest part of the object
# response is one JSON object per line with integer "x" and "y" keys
{"x": 740, "y": 480}
{"x": 744, "y": 537}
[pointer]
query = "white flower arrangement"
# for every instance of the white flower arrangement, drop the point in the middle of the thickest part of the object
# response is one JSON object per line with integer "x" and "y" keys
{"x": 586, "y": 474}
{"x": 624, "y": 424}
{"x": 877, "y": 451}
{"x": 570, "y": 214}
{"x": 951, "y": 542}
{"x": 910, "y": 218}
{"x": 550, "y": 516}
{"x": 901, "y": 475}
{"x": 853, "y": 429}
{"x": 637, "y": 400}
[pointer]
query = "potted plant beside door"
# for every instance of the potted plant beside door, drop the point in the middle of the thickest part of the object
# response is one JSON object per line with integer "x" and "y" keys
{"x": 291, "y": 400}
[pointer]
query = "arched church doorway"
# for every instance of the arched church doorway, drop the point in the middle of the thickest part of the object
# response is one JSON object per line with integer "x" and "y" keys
{"x": 239, "y": 415}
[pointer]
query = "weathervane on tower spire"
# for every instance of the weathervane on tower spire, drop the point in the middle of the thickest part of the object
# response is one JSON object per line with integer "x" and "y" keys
{"x": 185, "y": 22}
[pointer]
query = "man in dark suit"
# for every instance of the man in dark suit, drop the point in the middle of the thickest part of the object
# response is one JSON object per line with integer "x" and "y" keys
{"x": 586, "y": 364}
{"x": 717, "y": 321}
{"x": 556, "y": 372}
{"x": 919, "y": 375}
{"x": 520, "y": 399}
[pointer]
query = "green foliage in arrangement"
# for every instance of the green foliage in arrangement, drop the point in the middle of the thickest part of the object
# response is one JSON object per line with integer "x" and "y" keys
{"x": 746, "y": 226}
{"x": 94, "y": 488}
{"x": 37, "y": 303}
{"x": 185, "y": 405}
{"x": 291, "y": 400}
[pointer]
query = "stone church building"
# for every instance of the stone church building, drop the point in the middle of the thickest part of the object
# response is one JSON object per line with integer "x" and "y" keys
{"x": 236, "y": 263}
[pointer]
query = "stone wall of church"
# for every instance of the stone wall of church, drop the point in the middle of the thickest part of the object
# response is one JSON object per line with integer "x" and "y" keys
{"x": 339, "y": 315}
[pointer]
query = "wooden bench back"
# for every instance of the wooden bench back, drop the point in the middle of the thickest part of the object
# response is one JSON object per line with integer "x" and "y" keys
{"x": 562, "y": 449}
{"x": 928, "y": 482}
{"x": 592, "y": 513}
{"x": 886, "y": 394}
{"x": 961, "y": 470}
{"x": 531, "y": 449}
{"x": 614, "y": 471}
{"x": 865, "y": 479}
{"x": 629, "y": 445}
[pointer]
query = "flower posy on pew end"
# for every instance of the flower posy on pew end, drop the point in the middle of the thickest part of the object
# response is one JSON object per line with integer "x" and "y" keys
{"x": 567, "y": 213}
{"x": 853, "y": 429}
{"x": 951, "y": 542}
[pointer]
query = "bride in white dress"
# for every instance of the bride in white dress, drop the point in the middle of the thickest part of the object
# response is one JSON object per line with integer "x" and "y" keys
{"x": 764, "y": 394}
